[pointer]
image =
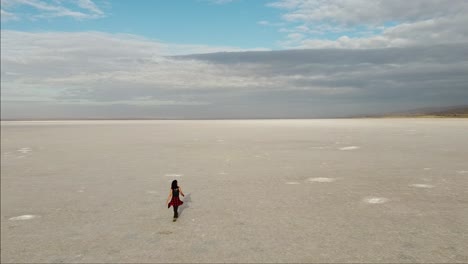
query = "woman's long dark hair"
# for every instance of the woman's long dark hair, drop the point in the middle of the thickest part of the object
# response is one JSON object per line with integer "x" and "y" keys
{"x": 174, "y": 184}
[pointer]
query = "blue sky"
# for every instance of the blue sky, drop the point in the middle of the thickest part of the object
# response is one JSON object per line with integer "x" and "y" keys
{"x": 238, "y": 23}
{"x": 181, "y": 21}
{"x": 307, "y": 58}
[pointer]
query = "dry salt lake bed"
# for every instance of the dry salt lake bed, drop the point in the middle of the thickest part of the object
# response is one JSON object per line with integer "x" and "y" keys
{"x": 343, "y": 190}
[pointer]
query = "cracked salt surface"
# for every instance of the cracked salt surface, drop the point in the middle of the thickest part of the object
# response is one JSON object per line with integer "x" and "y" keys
{"x": 173, "y": 175}
{"x": 318, "y": 147}
{"x": 350, "y": 148}
{"x": 23, "y": 217}
{"x": 376, "y": 200}
{"x": 420, "y": 185}
{"x": 24, "y": 150}
{"x": 320, "y": 179}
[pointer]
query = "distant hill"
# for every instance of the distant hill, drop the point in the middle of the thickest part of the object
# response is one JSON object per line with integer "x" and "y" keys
{"x": 450, "y": 111}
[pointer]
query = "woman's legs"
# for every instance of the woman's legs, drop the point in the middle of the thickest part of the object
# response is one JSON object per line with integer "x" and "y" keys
{"x": 176, "y": 214}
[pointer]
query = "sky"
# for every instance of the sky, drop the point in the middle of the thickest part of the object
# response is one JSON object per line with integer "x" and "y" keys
{"x": 231, "y": 58}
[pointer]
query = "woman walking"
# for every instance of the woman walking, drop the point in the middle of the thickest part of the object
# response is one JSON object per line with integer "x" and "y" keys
{"x": 173, "y": 198}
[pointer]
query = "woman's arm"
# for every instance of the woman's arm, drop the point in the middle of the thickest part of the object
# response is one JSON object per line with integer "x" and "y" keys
{"x": 180, "y": 190}
{"x": 169, "y": 197}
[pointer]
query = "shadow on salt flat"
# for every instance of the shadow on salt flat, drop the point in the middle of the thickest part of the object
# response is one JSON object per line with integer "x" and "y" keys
{"x": 187, "y": 202}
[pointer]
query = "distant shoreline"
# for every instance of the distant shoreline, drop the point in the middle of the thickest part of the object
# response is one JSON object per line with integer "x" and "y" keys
{"x": 434, "y": 112}
{"x": 420, "y": 116}
{"x": 455, "y": 116}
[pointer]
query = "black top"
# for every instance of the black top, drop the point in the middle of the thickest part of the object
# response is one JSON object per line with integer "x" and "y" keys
{"x": 175, "y": 192}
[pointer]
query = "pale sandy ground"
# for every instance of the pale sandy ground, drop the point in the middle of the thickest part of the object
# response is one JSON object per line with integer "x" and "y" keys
{"x": 370, "y": 190}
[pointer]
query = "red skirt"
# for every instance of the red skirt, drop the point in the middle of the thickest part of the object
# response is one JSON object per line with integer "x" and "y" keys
{"x": 175, "y": 201}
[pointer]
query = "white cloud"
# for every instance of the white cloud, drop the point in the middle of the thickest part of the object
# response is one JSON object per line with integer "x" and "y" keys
{"x": 7, "y": 16}
{"x": 357, "y": 12}
{"x": 268, "y": 23}
{"x": 88, "y": 72}
{"x": 374, "y": 24}
{"x": 93, "y": 66}
{"x": 89, "y": 5}
{"x": 80, "y": 9}
{"x": 221, "y": 2}
{"x": 422, "y": 33}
